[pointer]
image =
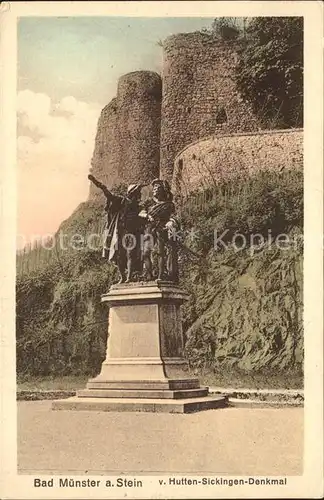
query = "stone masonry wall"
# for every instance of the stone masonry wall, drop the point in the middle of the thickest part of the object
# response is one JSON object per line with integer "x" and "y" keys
{"x": 143, "y": 129}
{"x": 139, "y": 121}
{"x": 205, "y": 162}
{"x": 127, "y": 144}
{"x": 200, "y": 97}
{"x": 105, "y": 159}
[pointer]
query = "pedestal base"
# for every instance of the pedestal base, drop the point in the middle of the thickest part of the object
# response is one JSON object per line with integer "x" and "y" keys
{"x": 145, "y": 393}
{"x": 144, "y": 369}
{"x": 189, "y": 405}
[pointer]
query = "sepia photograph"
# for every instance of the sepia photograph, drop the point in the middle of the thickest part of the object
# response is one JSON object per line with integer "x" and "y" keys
{"x": 164, "y": 239}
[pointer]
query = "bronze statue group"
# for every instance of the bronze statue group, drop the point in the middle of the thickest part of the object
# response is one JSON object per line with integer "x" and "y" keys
{"x": 137, "y": 231}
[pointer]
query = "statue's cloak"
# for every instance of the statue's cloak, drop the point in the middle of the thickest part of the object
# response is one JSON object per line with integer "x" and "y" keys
{"x": 122, "y": 218}
{"x": 115, "y": 209}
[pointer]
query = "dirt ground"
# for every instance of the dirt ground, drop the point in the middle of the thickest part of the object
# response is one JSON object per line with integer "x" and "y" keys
{"x": 228, "y": 441}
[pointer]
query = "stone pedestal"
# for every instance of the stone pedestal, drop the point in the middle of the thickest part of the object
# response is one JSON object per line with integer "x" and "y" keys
{"x": 144, "y": 369}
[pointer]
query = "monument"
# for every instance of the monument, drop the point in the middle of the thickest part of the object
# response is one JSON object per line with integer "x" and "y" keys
{"x": 144, "y": 369}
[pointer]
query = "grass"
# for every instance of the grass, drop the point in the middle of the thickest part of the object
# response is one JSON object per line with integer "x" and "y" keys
{"x": 67, "y": 383}
{"x": 237, "y": 379}
{"x": 231, "y": 379}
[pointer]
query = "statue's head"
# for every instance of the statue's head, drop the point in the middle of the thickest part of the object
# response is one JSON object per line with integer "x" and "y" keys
{"x": 161, "y": 190}
{"x": 134, "y": 191}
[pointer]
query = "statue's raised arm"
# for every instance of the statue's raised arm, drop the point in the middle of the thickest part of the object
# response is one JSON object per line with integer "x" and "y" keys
{"x": 101, "y": 186}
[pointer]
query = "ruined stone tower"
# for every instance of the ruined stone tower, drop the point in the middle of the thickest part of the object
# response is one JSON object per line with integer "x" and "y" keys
{"x": 200, "y": 97}
{"x": 139, "y": 119}
{"x": 127, "y": 145}
{"x": 142, "y": 130}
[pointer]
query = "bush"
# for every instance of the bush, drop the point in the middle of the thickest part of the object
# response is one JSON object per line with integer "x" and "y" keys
{"x": 268, "y": 203}
{"x": 244, "y": 310}
{"x": 270, "y": 70}
{"x": 61, "y": 325}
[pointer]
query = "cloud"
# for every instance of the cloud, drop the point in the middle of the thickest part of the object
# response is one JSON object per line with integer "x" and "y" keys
{"x": 55, "y": 145}
{"x": 33, "y": 104}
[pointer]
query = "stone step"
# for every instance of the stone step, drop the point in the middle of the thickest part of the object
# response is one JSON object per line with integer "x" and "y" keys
{"x": 163, "y": 384}
{"x": 189, "y": 405}
{"x": 143, "y": 393}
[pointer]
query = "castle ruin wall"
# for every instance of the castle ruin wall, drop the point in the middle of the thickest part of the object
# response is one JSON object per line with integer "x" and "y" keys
{"x": 127, "y": 143}
{"x": 105, "y": 158}
{"x": 206, "y": 162}
{"x": 200, "y": 96}
{"x": 139, "y": 119}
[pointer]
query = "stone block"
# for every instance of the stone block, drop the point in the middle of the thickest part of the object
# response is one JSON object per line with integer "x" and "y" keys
{"x": 144, "y": 369}
{"x": 143, "y": 393}
{"x": 141, "y": 405}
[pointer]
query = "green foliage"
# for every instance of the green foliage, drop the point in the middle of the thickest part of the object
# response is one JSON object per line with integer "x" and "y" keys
{"x": 244, "y": 311}
{"x": 269, "y": 203}
{"x": 245, "y": 306}
{"x": 226, "y": 28}
{"x": 61, "y": 324}
{"x": 269, "y": 73}
{"x": 270, "y": 70}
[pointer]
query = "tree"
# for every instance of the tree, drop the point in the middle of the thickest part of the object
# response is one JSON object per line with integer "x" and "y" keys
{"x": 226, "y": 28}
{"x": 270, "y": 70}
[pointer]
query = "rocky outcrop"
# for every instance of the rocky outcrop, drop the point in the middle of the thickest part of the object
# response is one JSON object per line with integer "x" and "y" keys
{"x": 249, "y": 311}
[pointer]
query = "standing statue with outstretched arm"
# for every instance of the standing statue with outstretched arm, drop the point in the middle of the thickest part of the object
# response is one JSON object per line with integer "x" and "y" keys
{"x": 123, "y": 229}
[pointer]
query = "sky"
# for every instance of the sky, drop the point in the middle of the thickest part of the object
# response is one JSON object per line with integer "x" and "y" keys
{"x": 68, "y": 68}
